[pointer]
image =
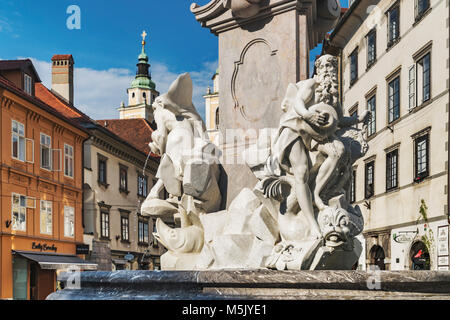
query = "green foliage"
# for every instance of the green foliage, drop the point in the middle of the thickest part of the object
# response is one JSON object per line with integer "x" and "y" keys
{"x": 428, "y": 237}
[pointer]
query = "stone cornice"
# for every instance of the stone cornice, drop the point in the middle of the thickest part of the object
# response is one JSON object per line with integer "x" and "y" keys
{"x": 217, "y": 18}
{"x": 122, "y": 151}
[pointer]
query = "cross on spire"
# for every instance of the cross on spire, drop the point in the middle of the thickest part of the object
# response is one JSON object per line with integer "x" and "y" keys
{"x": 144, "y": 35}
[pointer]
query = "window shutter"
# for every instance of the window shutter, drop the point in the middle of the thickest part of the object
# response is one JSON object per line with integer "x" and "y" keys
{"x": 29, "y": 150}
{"x": 56, "y": 156}
{"x": 412, "y": 87}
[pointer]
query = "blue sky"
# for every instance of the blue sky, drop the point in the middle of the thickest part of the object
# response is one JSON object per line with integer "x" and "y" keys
{"x": 105, "y": 49}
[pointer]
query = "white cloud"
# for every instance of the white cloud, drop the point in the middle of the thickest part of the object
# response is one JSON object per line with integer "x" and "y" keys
{"x": 99, "y": 93}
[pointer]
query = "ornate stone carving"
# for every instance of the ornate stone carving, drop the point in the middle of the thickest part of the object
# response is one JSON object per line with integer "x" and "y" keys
{"x": 248, "y": 77}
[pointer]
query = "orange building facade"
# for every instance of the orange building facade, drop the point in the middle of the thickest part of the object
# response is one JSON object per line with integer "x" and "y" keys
{"x": 41, "y": 182}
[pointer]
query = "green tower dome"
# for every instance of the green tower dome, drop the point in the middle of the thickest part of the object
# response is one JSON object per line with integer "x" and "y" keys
{"x": 143, "y": 78}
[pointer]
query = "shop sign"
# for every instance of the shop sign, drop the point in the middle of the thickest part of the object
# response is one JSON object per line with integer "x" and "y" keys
{"x": 128, "y": 257}
{"x": 404, "y": 236}
{"x": 442, "y": 241}
{"x": 44, "y": 247}
{"x": 443, "y": 261}
{"x": 82, "y": 249}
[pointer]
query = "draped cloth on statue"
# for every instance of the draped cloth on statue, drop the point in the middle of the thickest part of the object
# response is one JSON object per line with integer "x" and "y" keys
{"x": 278, "y": 162}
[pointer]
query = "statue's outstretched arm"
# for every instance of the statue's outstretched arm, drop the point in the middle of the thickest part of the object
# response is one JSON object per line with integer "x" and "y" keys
{"x": 345, "y": 122}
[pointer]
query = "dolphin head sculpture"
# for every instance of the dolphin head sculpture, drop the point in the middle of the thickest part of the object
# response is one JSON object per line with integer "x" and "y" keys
{"x": 187, "y": 239}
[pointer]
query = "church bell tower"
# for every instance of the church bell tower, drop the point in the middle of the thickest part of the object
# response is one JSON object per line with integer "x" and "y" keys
{"x": 142, "y": 92}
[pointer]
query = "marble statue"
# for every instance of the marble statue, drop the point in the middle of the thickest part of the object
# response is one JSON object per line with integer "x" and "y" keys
{"x": 312, "y": 125}
{"x": 298, "y": 215}
{"x": 188, "y": 168}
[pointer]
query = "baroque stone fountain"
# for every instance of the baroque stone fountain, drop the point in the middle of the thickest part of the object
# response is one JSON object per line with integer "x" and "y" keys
{"x": 277, "y": 223}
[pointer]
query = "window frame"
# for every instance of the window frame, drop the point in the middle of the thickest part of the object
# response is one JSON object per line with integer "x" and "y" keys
{"x": 418, "y": 62}
{"x": 417, "y": 14}
{"x": 354, "y": 54}
{"x": 366, "y": 184}
{"x": 373, "y": 33}
{"x": 102, "y": 159}
{"x": 20, "y": 211}
{"x": 49, "y": 149}
{"x": 125, "y": 228}
{"x": 105, "y": 224}
{"x": 20, "y": 137}
{"x": 72, "y": 210}
{"x": 425, "y": 136}
{"x": 373, "y": 119}
{"x": 28, "y": 84}
{"x": 122, "y": 169}
{"x": 392, "y": 41}
{"x": 47, "y": 202}
{"x": 392, "y": 170}
{"x": 71, "y": 157}
{"x": 144, "y": 179}
{"x": 142, "y": 239}
{"x": 391, "y": 80}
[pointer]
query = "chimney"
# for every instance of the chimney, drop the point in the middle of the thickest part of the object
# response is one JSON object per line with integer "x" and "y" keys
{"x": 62, "y": 76}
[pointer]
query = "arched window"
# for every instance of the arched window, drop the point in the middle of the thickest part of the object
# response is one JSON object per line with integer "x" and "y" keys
{"x": 133, "y": 95}
{"x": 217, "y": 118}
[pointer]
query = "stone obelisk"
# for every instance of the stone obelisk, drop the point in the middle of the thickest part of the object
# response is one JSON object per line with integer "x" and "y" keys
{"x": 263, "y": 46}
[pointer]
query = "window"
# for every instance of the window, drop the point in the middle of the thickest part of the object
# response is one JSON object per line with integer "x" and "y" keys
{"x": 412, "y": 87}
{"x": 18, "y": 141}
{"x": 423, "y": 79}
{"x": 217, "y": 118}
{"x": 46, "y": 217}
{"x": 371, "y": 48}
{"x": 102, "y": 170}
{"x": 28, "y": 84}
{"x": 123, "y": 178}
{"x": 369, "y": 187}
{"x": 124, "y": 222}
{"x": 69, "y": 221}
{"x": 353, "y": 66}
{"x": 421, "y": 157}
{"x": 421, "y": 6}
{"x": 419, "y": 85}
{"x": 68, "y": 161}
{"x": 19, "y": 212}
{"x": 142, "y": 186}
{"x": 46, "y": 151}
{"x": 392, "y": 170}
{"x": 394, "y": 99}
{"x": 393, "y": 25}
{"x": 143, "y": 232}
{"x": 372, "y": 107}
{"x": 104, "y": 223}
{"x": 353, "y": 187}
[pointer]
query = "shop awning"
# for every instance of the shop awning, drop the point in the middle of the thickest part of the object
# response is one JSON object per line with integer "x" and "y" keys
{"x": 119, "y": 261}
{"x": 56, "y": 261}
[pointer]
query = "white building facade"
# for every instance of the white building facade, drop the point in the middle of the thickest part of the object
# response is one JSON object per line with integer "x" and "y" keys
{"x": 394, "y": 61}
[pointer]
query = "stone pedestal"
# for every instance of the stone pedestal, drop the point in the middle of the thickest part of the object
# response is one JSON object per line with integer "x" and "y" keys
{"x": 258, "y": 284}
{"x": 263, "y": 46}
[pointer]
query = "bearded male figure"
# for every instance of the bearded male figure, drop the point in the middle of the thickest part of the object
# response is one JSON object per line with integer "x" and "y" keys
{"x": 312, "y": 114}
